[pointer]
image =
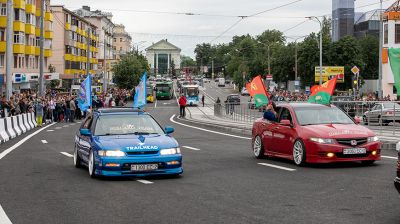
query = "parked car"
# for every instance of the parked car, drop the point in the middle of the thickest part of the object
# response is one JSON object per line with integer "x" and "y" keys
{"x": 383, "y": 113}
{"x": 397, "y": 180}
{"x": 233, "y": 99}
{"x": 244, "y": 92}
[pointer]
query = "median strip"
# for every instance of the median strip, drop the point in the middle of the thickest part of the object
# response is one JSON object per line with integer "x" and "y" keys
{"x": 276, "y": 166}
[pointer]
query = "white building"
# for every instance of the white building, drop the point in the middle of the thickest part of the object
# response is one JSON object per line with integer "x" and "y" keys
{"x": 160, "y": 55}
{"x": 391, "y": 39}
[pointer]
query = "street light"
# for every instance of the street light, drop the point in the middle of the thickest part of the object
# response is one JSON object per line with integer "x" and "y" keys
{"x": 320, "y": 46}
{"x": 380, "y": 50}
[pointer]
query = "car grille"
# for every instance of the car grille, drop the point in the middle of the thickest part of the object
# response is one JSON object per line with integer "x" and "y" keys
{"x": 341, "y": 155}
{"x": 142, "y": 153}
{"x": 348, "y": 141}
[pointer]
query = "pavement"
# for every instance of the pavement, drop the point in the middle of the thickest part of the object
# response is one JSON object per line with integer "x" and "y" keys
{"x": 222, "y": 183}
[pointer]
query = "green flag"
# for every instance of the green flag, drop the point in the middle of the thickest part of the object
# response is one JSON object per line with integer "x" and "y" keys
{"x": 394, "y": 58}
{"x": 260, "y": 100}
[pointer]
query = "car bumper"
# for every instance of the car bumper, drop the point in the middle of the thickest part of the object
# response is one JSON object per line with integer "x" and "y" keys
{"x": 390, "y": 118}
{"x": 397, "y": 184}
{"x": 318, "y": 153}
{"x": 167, "y": 165}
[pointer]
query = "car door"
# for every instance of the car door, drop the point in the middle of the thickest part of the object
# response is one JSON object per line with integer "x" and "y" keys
{"x": 283, "y": 135}
{"x": 376, "y": 113}
{"x": 84, "y": 142}
{"x": 267, "y": 133}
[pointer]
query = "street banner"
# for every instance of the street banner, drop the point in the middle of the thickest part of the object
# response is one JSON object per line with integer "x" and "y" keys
{"x": 330, "y": 72}
{"x": 394, "y": 58}
{"x": 257, "y": 90}
{"x": 321, "y": 94}
{"x": 140, "y": 93}
{"x": 85, "y": 94}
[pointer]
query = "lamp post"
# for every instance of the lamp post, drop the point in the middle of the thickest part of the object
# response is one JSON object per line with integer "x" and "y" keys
{"x": 380, "y": 51}
{"x": 320, "y": 46}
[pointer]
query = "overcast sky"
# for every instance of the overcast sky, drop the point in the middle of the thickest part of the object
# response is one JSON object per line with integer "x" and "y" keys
{"x": 142, "y": 21}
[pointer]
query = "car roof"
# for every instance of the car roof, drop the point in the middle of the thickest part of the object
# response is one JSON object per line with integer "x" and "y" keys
{"x": 307, "y": 105}
{"x": 119, "y": 110}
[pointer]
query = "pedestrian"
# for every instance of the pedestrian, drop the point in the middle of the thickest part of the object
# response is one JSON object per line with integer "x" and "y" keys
{"x": 202, "y": 99}
{"x": 218, "y": 101}
{"x": 67, "y": 109}
{"x": 39, "y": 113}
{"x": 270, "y": 114}
{"x": 72, "y": 108}
{"x": 182, "y": 105}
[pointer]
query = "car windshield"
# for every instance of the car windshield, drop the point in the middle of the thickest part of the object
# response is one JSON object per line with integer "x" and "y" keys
{"x": 192, "y": 91}
{"x": 234, "y": 97}
{"x": 321, "y": 115}
{"x": 391, "y": 105}
{"x": 163, "y": 88}
{"x": 124, "y": 124}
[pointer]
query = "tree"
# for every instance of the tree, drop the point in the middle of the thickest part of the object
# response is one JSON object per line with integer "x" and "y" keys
{"x": 187, "y": 61}
{"x": 53, "y": 83}
{"x": 172, "y": 68}
{"x": 129, "y": 70}
{"x": 369, "y": 46}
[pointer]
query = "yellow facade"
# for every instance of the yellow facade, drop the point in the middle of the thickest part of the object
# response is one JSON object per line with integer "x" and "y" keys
{"x": 19, "y": 49}
{"x": 19, "y": 26}
{"x": 37, "y": 51}
{"x": 37, "y": 32}
{"x": 48, "y": 34}
{"x": 67, "y": 26}
{"x": 48, "y": 16}
{"x": 29, "y": 8}
{"x": 30, "y": 50}
{"x": 48, "y": 53}
{"x": 19, "y": 4}
{"x": 30, "y": 29}
{"x": 2, "y": 46}
{"x": 3, "y": 21}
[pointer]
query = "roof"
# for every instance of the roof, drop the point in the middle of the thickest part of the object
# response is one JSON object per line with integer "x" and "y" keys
{"x": 395, "y": 7}
{"x": 304, "y": 104}
{"x": 165, "y": 41}
{"x": 119, "y": 110}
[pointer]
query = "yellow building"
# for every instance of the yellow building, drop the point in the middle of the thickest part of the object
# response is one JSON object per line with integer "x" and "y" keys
{"x": 26, "y": 36}
{"x": 71, "y": 33}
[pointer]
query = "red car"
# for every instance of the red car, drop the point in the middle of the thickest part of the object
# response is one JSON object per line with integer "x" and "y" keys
{"x": 397, "y": 179}
{"x": 314, "y": 133}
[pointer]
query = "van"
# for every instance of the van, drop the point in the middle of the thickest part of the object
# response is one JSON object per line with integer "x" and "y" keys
{"x": 221, "y": 82}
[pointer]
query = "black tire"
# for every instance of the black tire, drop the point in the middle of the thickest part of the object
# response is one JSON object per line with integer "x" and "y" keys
{"x": 258, "y": 148}
{"x": 368, "y": 162}
{"x": 91, "y": 165}
{"x": 299, "y": 153}
{"x": 77, "y": 158}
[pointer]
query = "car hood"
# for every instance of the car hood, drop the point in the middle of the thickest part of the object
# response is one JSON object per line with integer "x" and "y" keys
{"x": 337, "y": 131}
{"x": 135, "y": 142}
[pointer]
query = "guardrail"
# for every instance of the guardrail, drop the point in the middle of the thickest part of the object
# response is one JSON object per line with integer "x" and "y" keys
{"x": 11, "y": 127}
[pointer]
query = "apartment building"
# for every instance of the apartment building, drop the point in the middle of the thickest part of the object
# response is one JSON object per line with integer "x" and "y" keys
{"x": 26, "y": 42}
{"x": 122, "y": 41}
{"x": 71, "y": 45}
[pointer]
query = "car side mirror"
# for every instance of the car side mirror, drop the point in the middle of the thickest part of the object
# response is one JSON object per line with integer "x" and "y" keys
{"x": 85, "y": 132}
{"x": 169, "y": 130}
{"x": 285, "y": 123}
{"x": 357, "y": 120}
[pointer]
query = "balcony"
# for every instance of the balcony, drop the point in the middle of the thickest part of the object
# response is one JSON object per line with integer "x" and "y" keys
{"x": 3, "y": 21}
{"x": 30, "y": 29}
{"x": 48, "y": 34}
{"x": 48, "y": 16}
{"x": 2, "y": 46}
{"x": 19, "y": 26}
{"x": 31, "y": 50}
{"x": 68, "y": 72}
{"x": 19, "y": 4}
{"x": 38, "y": 12}
{"x": 29, "y": 8}
{"x": 67, "y": 26}
{"x": 19, "y": 49}
{"x": 37, "y": 32}
{"x": 37, "y": 51}
{"x": 48, "y": 53}
{"x": 68, "y": 57}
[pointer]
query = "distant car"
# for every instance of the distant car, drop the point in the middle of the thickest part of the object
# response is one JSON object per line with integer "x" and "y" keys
{"x": 228, "y": 82}
{"x": 244, "y": 92}
{"x": 397, "y": 180}
{"x": 126, "y": 142}
{"x": 314, "y": 133}
{"x": 221, "y": 82}
{"x": 233, "y": 99}
{"x": 383, "y": 113}
{"x": 205, "y": 80}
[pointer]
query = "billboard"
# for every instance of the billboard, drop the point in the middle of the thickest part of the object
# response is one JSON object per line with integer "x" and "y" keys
{"x": 328, "y": 72}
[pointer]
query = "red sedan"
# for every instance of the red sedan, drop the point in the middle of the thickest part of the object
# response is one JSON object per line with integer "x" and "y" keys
{"x": 314, "y": 133}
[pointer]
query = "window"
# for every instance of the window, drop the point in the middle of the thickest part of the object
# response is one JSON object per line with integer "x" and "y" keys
{"x": 36, "y": 62}
{"x": 1, "y": 60}
{"x": 3, "y": 9}
{"x": 30, "y": 19}
{"x": 15, "y": 61}
{"x": 120, "y": 48}
{"x": 19, "y": 15}
{"x": 386, "y": 33}
{"x": 120, "y": 40}
{"x": 19, "y": 38}
{"x": 27, "y": 62}
{"x": 2, "y": 34}
{"x": 115, "y": 39}
{"x": 37, "y": 41}
{"x": 397, "y": 34}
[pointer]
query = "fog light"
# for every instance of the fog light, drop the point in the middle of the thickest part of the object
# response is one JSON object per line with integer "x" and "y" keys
{"x": 112, "y": 164}
{"x": 330, "y": 154}
{"x": 173, "y": 163}
{"x": 374, "y": 153}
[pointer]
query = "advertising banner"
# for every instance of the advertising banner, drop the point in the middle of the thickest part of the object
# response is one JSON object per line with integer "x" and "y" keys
{"x": 329, "y": 72}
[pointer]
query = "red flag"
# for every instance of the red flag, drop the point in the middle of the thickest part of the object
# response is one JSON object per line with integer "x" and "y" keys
{"x": 322, "y": 93}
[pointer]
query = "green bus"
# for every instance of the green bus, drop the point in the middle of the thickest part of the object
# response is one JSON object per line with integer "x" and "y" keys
{"x": 164, "y": 90}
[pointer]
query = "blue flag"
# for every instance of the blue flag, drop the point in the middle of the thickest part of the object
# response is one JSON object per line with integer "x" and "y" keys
{"x": 140, "y": 93}
{"x": 85, "y": 94}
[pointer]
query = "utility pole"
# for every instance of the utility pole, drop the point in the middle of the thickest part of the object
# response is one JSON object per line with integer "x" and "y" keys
{"x": 9, "y": 49}
{"x": 380, "y": 51}
{"x": 295, "y": 61}
{"x": 269, "y": 62}
{"x": 212, "y": 68}
{"x": 320, "y": 52}
{"x": 41, "y": 67}
{"x": 88, "y": 51}
{"x": 105, "y": 65}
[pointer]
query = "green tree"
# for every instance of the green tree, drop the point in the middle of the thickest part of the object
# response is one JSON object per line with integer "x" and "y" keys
{"x": 172, "y": 68}
{"x": 187, "y": 61}
{"x": 369, "y": 46}
{"x": 129, "y": 70}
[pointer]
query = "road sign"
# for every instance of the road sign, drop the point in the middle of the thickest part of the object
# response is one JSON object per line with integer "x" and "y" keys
{"x": 269, "y": 78}
{"x": 329, "y": 72}
{"x": 355, "y": 70}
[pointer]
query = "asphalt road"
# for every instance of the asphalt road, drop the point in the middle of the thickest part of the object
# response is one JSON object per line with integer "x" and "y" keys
{"x": 222, "y": 183}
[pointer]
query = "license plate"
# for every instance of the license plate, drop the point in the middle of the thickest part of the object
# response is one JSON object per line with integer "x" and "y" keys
{"x": 144, "y": 167}
{"x": 353, "y": 151}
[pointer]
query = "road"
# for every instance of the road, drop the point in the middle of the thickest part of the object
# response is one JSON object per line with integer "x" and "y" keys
{"x": 222, "y": 183}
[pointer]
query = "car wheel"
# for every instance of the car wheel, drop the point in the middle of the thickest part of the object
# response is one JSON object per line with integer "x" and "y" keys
{"x": 77, "y": 159}
{"x": 367, "y": 162}
{"x": 299, "y": 153}
{"x": 365, "y": 119}
{"x": 258, "y": 148}
{"x": 91, "y": 165}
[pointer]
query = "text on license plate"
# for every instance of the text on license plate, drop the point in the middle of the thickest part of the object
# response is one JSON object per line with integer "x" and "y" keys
{"x": 143, "y": 167}
{"x": 354, "y": 151}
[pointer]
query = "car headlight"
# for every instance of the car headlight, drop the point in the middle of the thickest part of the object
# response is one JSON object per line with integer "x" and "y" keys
{"x": 398, "y": 146}
{"x": 111, "y": 153}
{"x": 373, "y": 139}
{"x": 322, "y": 140}
{"x": 171, "y": 151}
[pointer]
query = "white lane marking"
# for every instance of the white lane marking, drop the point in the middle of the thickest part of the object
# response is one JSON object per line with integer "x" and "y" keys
{"x": 3, "y": 217}
{"x": 50, "y": 130}
{"x": 44, "y": 142}
{"x": 277, "y": 167}
{"x": 79, "y": 122}
{"x": 192, "y": 148}
{"x": 206, "y": 130}
{"x": 144, "y": 181}
{"x": 67, "y": 154}
{"x": 155, "y": 105}
{"x": 64, "y": 126}
{"x": 389, "y": 157}
{"x": 22, "y": 141}
{"x": 58, "y": 128}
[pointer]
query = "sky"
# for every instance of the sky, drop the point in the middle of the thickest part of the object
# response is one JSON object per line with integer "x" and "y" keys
{"x": 149, "y": 21}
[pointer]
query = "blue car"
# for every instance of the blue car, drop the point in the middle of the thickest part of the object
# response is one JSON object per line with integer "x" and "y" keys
{"x": 126, "y": 142}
